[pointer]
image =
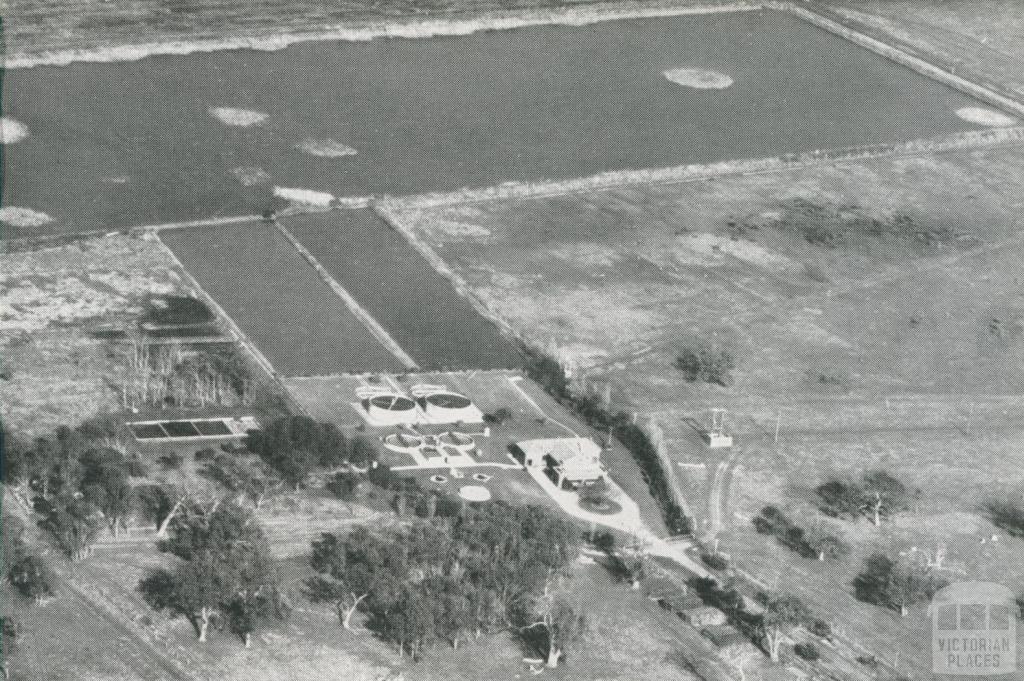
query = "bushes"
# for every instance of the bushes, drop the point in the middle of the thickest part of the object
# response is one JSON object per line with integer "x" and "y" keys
{"x": 172, "y": 461}
{"x": 707, "y": 364}
{"x": 877, "y": 495}
{"x": 891, "y": 584}
{"x": 821, "y": 628}
{"x": 344, "y": 484}
{"x": 498, "y": 416}
{"x": 807, "y": 651}
{"x": 1007, "y": 515}
{"x": 32, "y": 577}
{"x": 715, "y": 561}
{"x": 814, "y": 543}
{"x": 73, "y": 522}
{"x": 548, "y": 373}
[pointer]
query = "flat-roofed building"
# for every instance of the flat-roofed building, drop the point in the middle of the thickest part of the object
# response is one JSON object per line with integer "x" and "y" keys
{"x": 574, "y": 461}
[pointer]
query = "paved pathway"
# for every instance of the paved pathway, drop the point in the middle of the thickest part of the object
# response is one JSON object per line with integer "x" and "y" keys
{"x": 627, "y": 520}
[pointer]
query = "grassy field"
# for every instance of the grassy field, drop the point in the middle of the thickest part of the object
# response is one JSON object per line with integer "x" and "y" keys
{"x": 873, "y": 305}
{"x": 284, "y": 307}
{"x": 32, "y": 27}
{"x": 980, "y": 37}
{"x": 56, "y": 370}
{"x": 415, "y": 304}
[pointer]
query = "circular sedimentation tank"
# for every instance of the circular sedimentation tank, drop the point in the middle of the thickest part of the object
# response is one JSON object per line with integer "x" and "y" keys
{"x": 392, "y": 403}
{"x": 459, "y": 441}
{"x": 448, "y": 400}
{"x": 401, "y": 442}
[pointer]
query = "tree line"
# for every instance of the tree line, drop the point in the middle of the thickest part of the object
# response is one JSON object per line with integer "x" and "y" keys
{"x": 296, "y": 446}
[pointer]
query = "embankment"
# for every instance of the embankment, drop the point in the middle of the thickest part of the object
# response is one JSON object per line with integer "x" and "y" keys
{"x": 986, "y": 93}
{"x": 364, "y": 31}
{"x": 971, "y": 139}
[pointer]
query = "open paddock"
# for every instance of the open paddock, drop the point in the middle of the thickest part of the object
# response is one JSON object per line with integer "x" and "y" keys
{"x": 873, "y": 304}
{"x": 912, "y": 291}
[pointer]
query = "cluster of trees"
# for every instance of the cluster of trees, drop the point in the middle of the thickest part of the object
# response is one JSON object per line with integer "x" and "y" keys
{"x": 551, "y": 376}
{"x": 247, "y": 479}
{"x": 29, "y": 573}
{"x": 172, "y": 376}
{"x": 453, "y": 579}
{"x": 877, "y": 495}
{"x": 631, "y": 563}
{"x": 407, "y": 494}
{"x": 498, "y": 416}
{"x": 224, "y": 575}
{"x": 781, "y": 613}
{"x": 1008, "y": 515}
{"x": 895, "y": 584}
{"x": 816, "y": 542}
{"x": 77, "y": 482}
{"x": 706, "y": 363}
{"x": 296, "y": 446}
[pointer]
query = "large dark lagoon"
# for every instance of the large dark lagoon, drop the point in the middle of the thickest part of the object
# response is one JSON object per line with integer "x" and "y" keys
{"x": 119, "y": 144}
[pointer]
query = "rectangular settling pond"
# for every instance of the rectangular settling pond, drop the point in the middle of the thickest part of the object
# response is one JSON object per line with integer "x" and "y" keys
{"x": 417, "y": 306}
{"x": 131, "y": 143}
{"x": 296, "y": 320}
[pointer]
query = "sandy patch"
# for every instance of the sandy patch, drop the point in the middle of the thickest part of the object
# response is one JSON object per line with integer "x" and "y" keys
{"x": 711, "y": 244}
{"x": 699, "y": 78}
{"x": 23, "y": 217}
{"x": 250, "y": 177}
{"x": 449, "y": 224}
{"x": 976, "y": 114}
{"x": 12, "y": 131}
{"x": 242, "y": 118}
{"x": 328, "y": 148}
{"x": 474, "y": 493}
{"x": 588, "y": 256}
{"x": 308, "y": 197}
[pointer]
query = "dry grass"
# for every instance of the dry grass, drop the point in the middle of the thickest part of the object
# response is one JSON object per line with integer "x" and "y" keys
{"x": 630, "y": 275}
{"x": 922, "y": 312}
{"x": 39, "y": 26}
{"x": 983, "y": 37}
{"x": 51, "y": 299}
